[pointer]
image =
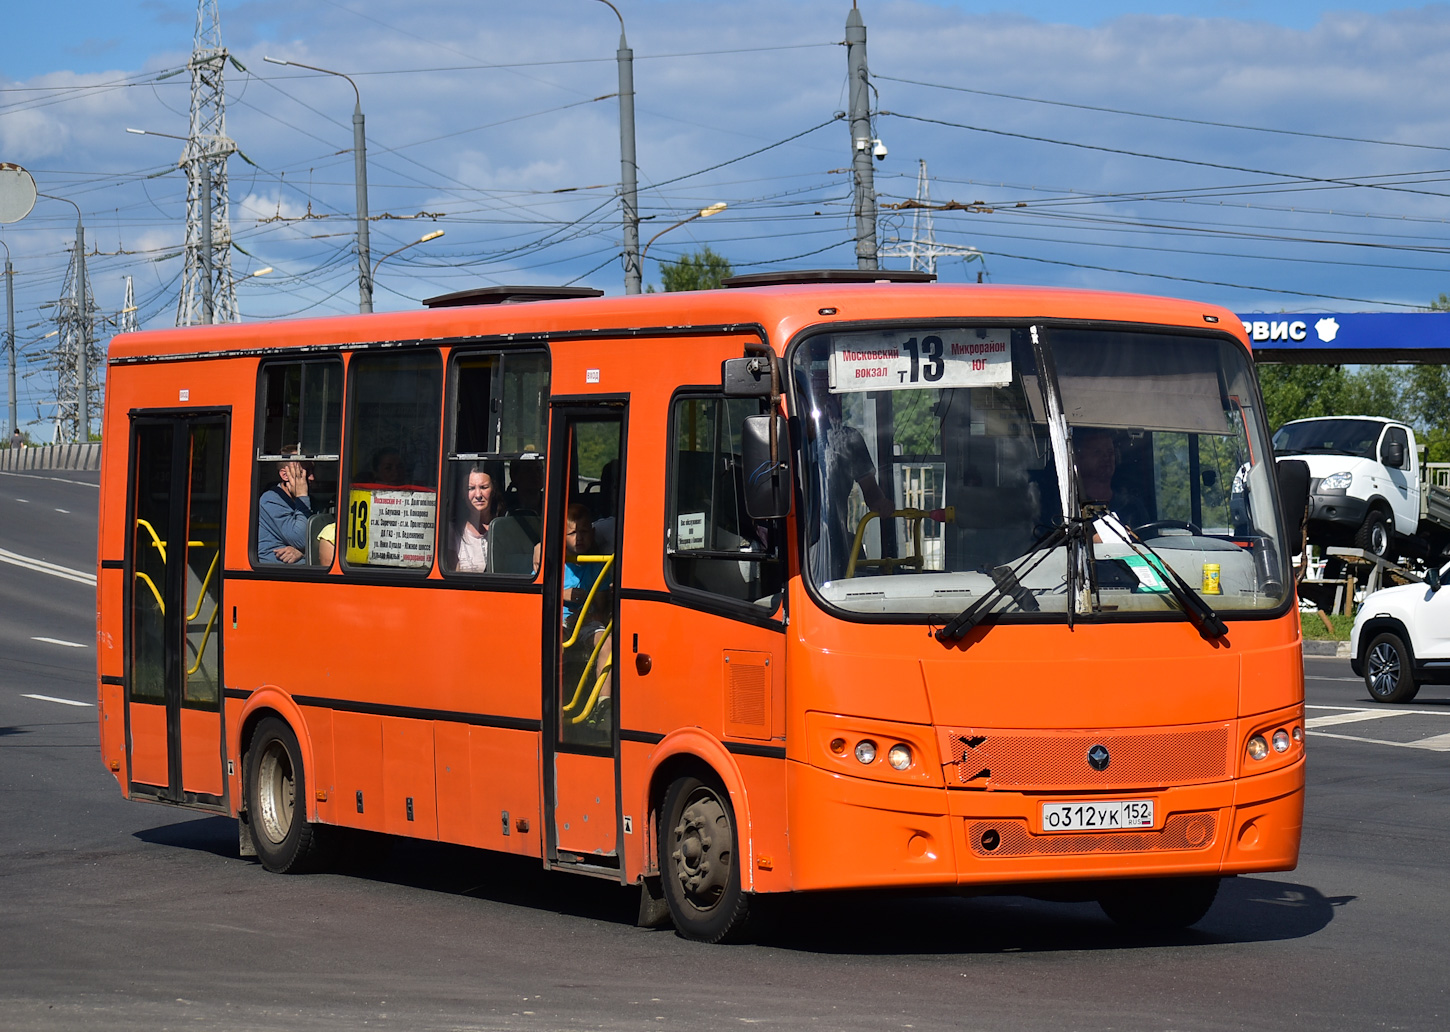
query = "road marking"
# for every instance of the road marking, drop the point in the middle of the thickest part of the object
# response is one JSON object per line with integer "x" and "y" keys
{"x": 41, "y": 566}
{"x": 1360, "y": 709}
{"x": 58, "y": 480}
{"x": 1439, "y": 743}
{"x": 1316, "y": 677}
{"x": 63, "y": 702}
{"x": 1329, "y": 720}
{"x": 23, "y": 501}
{"x": 66, "y": 511}
{"x": 58, "y": 641}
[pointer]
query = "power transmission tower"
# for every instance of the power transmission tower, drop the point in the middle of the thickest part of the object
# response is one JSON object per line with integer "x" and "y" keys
{"x": 208, "y": 293}
{"x": 922, "y": 249}
{"x": 127, "y": 322}
{"x": 75, "y": 320}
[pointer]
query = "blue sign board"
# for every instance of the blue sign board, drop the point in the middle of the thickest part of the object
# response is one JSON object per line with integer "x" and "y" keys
{"x": 1350, "y": 336}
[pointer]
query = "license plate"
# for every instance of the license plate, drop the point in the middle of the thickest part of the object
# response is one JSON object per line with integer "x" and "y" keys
{"x": 1117, "y": 815}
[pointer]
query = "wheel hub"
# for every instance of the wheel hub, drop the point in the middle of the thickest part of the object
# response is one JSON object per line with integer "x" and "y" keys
{"x": 703, "y": 872}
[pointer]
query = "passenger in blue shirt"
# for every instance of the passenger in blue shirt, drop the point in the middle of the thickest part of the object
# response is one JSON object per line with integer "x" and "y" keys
{"x": 282, "y": 514}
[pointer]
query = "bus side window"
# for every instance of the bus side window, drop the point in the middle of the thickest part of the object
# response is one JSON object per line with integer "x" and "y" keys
{"x": 392, "y": 453}
{"x": 492, "y": 518}
{"x": 299, "y": 422}
{"x": 713, "y": 544}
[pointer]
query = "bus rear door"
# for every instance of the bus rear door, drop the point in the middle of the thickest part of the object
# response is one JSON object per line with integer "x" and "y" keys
{"x": 174, "y": 735}
{"x": 581, "y": 574}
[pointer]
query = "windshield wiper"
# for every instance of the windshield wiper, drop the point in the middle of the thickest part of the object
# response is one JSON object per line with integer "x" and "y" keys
{"x": 1207, "y": 622}
{"x": 1006, "y": 581}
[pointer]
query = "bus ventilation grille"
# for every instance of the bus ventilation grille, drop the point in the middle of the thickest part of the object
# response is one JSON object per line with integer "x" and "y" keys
{"x": 1013, "y": 839}
{"x": 1047, "y": 760}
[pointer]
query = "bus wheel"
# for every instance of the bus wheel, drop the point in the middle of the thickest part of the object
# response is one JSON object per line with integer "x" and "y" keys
{"x": 699, "y": 867}
{"x": 276, "y": 794}
{"x": 1159, "y": 904}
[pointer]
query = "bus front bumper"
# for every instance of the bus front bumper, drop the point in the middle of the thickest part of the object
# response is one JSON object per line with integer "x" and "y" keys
{"x": 859, "y": 833}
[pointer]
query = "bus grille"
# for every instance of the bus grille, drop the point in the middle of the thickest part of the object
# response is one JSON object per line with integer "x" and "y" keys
{"x": 1180, "y": 831}
{"x": 1055, "y": 760}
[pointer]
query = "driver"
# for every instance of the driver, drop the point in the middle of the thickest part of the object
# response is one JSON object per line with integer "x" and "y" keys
{"x": 1095, "y": 454}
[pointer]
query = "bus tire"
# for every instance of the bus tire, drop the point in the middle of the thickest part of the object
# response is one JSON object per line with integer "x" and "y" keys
{"x": 276, "y": 794}
{"x": 1389, "y": 672}
{"x": 1159, "y": 904}
{"x": 699, "y": 862}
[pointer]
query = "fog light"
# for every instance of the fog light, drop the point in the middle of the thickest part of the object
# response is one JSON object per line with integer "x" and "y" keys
{"x": 1281, "y": 741}
{"x": 838, "y": 746}
{"x": 1258, "y": 748}
{"x": 866, "y": 751}
{"x": 899, "y": 756}
{"x": 1298, "y": 734}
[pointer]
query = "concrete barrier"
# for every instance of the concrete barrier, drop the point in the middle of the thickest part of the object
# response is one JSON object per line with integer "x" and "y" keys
{"x": 51, "y": 456}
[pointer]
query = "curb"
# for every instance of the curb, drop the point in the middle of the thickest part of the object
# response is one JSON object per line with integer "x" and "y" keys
{"x": 1337, "y": 649}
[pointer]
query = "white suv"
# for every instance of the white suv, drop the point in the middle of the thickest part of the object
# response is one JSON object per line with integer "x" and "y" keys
{"x": 1401, "y": 638}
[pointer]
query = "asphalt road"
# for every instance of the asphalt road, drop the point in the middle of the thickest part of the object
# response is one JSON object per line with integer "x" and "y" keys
{"x": 120, "y": 916}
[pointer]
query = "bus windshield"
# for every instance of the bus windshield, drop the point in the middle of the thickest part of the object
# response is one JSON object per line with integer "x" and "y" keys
{"x": 939, "y": 461}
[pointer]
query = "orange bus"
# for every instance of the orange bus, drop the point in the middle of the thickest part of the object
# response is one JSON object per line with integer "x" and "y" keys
{"x": 822, "y": 581}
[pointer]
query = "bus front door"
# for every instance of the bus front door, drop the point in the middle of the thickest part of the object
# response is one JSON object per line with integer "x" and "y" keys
{"x": 174, "y": 734}
{"x": 581, "y": 572}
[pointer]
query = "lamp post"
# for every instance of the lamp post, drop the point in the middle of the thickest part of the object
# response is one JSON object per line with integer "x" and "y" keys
{"x": 703, "y": 213}
{"x": 628, "y": 168}
{"x": 83, "y": 316}
{"x": 434, "y": 235}
{"x": 360, "y": 179}
{"x": 10, "y": 333}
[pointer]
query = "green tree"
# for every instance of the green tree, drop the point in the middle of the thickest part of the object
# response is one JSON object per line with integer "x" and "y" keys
{"x": 701, "y": 270}
{"x": 1301, "y": 391}
{"x": 1442, "y": 304}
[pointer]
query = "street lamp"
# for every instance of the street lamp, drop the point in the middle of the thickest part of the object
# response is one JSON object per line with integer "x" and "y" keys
{"x": 360, "y": 178}
{"x": 703, "y": 213}
{"x": 434, "y": 235}
{"x": 628, "y": 168}
{"x": 10, "y": 332}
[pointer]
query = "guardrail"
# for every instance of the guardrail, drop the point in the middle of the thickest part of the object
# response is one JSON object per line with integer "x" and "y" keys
{"x": 51, "y": 456}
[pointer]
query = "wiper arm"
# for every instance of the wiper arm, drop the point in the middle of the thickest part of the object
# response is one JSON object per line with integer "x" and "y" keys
{"x": 1207, "y": 622}
{"x": 1005, "y": 581}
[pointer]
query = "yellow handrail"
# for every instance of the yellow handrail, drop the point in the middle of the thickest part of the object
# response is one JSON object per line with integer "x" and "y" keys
{"x": 594, "y": 695}
{"x": 205, "y": 635}
{"x": 916, "y": 560}
{"x": 201, "y": 598}
{"x": 584, "y": 674}
{"x": 608, "y": 561}
{"x": 152, "y": 585}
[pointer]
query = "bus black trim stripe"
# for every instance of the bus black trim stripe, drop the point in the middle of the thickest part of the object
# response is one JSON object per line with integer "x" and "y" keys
{"x": 113, "y": 679}
{"x": 113, "y": 564}
{"x": 503, "y": 585}
{"x": 702, "y": 604}
{"x": 408, "y": 712}
{"x": 773, "y": 752}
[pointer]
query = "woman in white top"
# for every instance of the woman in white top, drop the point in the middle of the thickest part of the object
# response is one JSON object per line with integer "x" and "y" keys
{"x": 484, "y": 501}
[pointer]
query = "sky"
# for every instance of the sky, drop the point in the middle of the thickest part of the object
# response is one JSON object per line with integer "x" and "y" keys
{"x": 1268, "y": 157}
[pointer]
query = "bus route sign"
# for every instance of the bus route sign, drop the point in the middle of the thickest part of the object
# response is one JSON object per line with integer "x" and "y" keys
{"x": 949, "y": 358}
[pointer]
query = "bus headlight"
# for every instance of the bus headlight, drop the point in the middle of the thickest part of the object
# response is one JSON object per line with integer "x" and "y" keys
{"x": 1281, "y": 741}
{"x": 899, "y": 756}
{"x": 866, "y": 751}
{"x": 1258, "y": 748}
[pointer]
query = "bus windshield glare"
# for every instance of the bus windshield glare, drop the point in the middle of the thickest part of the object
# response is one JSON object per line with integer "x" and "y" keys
{"x": 939, "y": 461}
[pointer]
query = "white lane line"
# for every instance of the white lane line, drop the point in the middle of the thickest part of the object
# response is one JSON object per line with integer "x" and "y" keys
{"x": 1439, "y": 743}
{"x": 63, "y": 702}
{"x": 58, "y": 480}
{"x": 59, "y": 641}
{"x": 1360, "y": 709}
{"x": 66, "y": 511}
{"x": 23, "y": 501}
{"x": 1329, "y": 720}
{"x": 1316, "y": 677}
{"x": 41, "y": 566}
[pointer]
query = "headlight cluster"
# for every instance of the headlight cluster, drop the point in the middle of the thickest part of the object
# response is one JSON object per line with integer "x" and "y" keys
{"x": 1279, "y": 741}
{"x": 1336, "y": 481}
{"x": 866, "y": 751}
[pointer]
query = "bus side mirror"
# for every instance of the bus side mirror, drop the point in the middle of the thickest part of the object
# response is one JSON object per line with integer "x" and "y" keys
{"x": 767, "y": 477}
{"x": 1293, "y": 496}
{"x": 747, "y": 377}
